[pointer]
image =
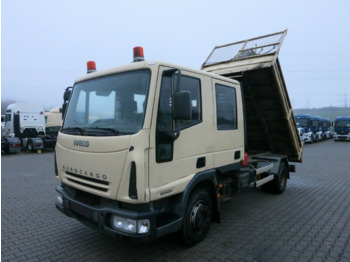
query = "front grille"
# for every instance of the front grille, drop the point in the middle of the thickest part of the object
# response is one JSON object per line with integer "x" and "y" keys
{"x": 89, "y": 182}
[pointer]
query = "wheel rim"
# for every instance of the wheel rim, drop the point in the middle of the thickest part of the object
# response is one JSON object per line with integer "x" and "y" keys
{"x": 200, "y": 218}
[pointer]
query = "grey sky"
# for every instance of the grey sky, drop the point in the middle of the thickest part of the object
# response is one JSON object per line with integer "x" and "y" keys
{"x": 45, "y": 44}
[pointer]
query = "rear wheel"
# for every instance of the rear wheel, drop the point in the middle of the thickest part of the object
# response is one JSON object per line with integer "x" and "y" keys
{"x": 279, "y": 184}
{"x": 198, "y": 216}
{"x": 280, "y": 181}
{"x": 30, "y": 146}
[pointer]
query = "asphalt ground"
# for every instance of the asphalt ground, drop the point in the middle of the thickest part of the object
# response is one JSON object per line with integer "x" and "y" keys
{"x": 310, "y": 221}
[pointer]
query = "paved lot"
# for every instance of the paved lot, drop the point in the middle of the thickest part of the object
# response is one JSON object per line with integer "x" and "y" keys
{"x": 309, "y": 222}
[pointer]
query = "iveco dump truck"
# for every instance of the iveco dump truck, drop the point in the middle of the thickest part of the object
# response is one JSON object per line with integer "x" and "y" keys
{"x": 152, "y": 148}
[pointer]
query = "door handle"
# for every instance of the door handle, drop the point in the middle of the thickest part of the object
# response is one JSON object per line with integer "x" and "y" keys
{"x": 237, "y": 155}
{"x": 200, "y": 162}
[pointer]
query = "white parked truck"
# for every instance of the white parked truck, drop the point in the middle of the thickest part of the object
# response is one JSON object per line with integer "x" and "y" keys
{"x": 53, "y": 121}
{"x": 9, "y": 144}
{"x": 27, "y": 122}
{"x": 152, "y": 148}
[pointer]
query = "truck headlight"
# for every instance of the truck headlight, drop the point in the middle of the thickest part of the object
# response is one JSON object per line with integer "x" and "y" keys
{"x": 130, "y": 225}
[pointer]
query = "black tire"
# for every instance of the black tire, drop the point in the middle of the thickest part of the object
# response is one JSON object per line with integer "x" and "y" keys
{"x": 30, "y": 146}
{"x": 279, "y": 184}
{"x": 198, "y": 217}
{"x": 280, "y": 181}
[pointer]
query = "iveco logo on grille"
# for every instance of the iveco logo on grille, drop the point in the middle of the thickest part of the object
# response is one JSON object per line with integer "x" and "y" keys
{"x": 83, "y": 143}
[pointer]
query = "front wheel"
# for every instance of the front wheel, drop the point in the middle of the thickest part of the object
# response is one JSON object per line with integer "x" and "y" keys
{"x": 198, "y": 216}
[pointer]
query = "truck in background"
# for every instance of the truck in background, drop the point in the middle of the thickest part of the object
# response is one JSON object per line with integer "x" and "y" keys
{"x": 305, "y": 121}
{"x": 316, "y": 127}
{"x": 10, "y": 145}
{"x": 27, "y": 123}
{"x": 341, "y": 128}
{"x": 53, "y": 121}
{"x": 301, "y": 131}
{"x": 152, "y": 148}
{"x": 326, "y": 128}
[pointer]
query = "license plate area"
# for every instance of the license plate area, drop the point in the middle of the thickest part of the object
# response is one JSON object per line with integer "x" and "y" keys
{"x": 81, "y": 210}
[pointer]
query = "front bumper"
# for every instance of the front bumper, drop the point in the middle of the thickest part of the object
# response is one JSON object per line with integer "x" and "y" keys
{"x": 341, "y": 137}
{"x": 100, "y": 216}
{"x": 307, "y": 138}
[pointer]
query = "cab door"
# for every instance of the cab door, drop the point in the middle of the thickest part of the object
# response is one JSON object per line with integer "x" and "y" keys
{"x": 179, "y": 149}
{"x": 229, "y": 125}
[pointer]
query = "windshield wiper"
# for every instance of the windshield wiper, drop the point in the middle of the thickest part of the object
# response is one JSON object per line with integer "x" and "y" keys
{"x": 89, "y": 130}
{"x": 81, "y": 130}
{"x": 112, "y": 130}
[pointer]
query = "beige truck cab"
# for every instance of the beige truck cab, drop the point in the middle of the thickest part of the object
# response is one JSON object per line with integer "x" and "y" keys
{"x": 152, "y": 148}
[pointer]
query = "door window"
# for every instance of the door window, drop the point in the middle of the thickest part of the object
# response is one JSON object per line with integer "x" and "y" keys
{"x": 226, "y": 107}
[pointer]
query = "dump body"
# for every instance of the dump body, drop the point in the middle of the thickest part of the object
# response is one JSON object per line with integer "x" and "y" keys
{"x": 270, "y": 124}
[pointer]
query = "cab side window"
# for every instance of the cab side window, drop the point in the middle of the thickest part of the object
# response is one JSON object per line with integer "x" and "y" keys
{"x": 8, "y": 117}
{"x": 165, "y": 110}
{"x": 226, "y": 107}
{"x": 192, "y": 85}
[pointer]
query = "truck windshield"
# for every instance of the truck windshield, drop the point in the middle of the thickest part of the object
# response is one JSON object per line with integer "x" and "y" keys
{"x": 342, "y": 123}
{"x": 315, "y": 123}
{"x": 302, "y": 122}
{"x": 109, "y": 105}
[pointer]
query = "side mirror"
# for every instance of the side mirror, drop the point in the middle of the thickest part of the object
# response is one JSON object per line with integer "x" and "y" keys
{"x": 67, "y": 93}
{"x": 64, "y": 108}
{"x": 182, "y": 105}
